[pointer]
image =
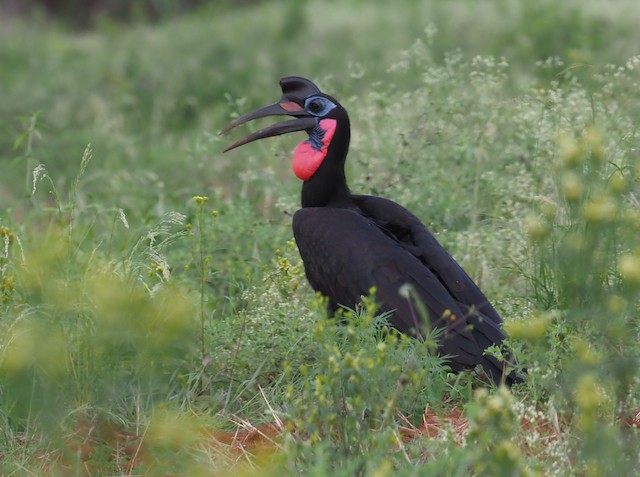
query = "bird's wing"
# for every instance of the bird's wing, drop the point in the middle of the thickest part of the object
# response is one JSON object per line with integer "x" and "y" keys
{"x": 415, "y": 237}
{"x": 411, "y": 233}
{"x": 346, "y": 253}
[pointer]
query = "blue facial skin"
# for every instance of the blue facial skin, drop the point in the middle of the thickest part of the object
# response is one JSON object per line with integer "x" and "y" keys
{"x": 318, "y": 106}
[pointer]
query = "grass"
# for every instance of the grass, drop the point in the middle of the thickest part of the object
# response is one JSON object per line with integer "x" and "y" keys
{"x": 155, "y": 315}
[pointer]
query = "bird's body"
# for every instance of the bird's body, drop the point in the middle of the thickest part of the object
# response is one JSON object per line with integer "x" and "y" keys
{"x": 352, "y": 243}
{"x": 347, "y": 251}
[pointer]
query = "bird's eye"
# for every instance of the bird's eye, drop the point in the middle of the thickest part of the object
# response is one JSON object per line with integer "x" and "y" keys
{"x": 315, "y": 106}
{"x": 318, "y": 106}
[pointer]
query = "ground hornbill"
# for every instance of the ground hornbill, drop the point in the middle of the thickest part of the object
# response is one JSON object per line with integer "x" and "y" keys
{"x": 351, "y": 243}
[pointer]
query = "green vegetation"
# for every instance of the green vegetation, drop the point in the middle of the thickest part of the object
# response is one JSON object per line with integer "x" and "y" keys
{"x": 154, "y": 314}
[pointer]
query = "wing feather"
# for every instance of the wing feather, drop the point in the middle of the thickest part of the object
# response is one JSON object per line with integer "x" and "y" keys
{"x": 411, "y": 232}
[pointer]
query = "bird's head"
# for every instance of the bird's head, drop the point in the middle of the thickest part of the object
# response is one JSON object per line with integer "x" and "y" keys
{"x": 321, "y": 116}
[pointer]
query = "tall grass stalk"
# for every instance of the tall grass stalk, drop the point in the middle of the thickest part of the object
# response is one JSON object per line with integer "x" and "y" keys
{"x": 203, "y": 273}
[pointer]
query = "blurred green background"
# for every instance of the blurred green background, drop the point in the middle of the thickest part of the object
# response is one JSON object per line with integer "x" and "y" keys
{"x": 142, "y": 93}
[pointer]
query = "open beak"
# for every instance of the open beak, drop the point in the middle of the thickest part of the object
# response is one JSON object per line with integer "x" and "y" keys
{"x": 302, "y": 122}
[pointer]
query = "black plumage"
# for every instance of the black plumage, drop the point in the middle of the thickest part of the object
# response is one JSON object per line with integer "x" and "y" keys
{"x": 351, "y": 243}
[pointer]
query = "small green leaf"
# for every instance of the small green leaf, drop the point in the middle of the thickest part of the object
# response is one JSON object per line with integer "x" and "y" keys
{"x": 20, "y": 140}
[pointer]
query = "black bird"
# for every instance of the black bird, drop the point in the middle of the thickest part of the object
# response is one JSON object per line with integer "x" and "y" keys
{"x": 351, "y": 243}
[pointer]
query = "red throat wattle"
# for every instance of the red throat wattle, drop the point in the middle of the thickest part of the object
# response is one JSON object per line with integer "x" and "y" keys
{"x": 309, "y": 154}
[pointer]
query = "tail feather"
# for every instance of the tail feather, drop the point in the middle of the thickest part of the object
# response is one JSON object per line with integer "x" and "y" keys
{"x": 487, "y": 333}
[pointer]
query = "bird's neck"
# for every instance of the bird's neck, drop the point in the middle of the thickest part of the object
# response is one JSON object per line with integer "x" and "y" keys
{"x": 327, "y": 187}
